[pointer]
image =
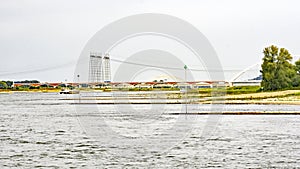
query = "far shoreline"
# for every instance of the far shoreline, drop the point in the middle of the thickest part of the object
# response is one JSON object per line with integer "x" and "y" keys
{"x": 286, "y": 97}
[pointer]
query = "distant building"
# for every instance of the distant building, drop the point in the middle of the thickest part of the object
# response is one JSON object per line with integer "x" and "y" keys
{"x": 200, "y": 85}
{"x": 26, "y": 83}
{"x": 99, "y": 68}
{"x": 247, "y": 83}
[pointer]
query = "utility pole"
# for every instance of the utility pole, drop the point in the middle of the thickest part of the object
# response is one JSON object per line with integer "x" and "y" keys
{"x": 185, "y": 68}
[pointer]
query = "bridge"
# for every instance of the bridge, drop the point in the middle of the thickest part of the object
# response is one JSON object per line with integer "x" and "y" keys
{"x": 250, "y": 80}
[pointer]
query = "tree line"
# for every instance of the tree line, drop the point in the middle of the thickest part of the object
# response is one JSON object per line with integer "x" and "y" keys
{"x": 8, "y": 84}
{"x": 278, "y": 71}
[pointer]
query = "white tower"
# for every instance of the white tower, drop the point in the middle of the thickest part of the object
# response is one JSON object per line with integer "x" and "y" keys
{"x": 107, "y": 73}
{"x": 99, "y": 68}
{"x": 95, "y": 68}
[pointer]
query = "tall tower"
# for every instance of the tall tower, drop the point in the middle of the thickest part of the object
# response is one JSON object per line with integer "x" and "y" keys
{"x": 99, "y": 68}
{"x": 95, "y": 68}
{"x": 107, "y": 73}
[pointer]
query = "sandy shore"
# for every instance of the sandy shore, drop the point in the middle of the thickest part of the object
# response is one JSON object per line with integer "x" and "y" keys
{"x": 291, "y": 97}
{"x": 296, "y": 102}
{"x": 263, "y": 95}
{"x": 238, "y": 113}
{"x": 288, "y": 97}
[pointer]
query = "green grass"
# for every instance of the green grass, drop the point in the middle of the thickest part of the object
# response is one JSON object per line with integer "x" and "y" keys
{"x": 243, "y": 90}
{"x": 232, "y": 90}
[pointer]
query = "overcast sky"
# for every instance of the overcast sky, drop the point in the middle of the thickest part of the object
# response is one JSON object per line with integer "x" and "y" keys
{"x": 43, "y": 39}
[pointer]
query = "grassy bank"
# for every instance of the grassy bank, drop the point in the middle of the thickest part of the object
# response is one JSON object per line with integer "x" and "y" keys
{"x": 232, "y": 90}
{"x": 29, "y": 90}
{"x": 229, "y": 95}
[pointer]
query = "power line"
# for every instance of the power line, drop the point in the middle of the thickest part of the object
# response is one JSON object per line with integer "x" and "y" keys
{"x": 38, "y": 70}
{"x": 119, "y": 61}
{"x": 175, "y": 68}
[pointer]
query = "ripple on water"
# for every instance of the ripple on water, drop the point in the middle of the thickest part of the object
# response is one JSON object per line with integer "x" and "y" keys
{"x": 44, "y": 132}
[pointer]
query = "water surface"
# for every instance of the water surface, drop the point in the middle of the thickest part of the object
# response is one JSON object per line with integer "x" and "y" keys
{"x": 40, "y": 130}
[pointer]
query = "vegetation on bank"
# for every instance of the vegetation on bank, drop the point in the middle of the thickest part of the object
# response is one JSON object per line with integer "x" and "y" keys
{"x": 235, "y": 95}
{"x": 202, "y": 91}
{"x": 278, "y": 73}
{"x": 5, "y": 84}
{"x": 151, "y": 89}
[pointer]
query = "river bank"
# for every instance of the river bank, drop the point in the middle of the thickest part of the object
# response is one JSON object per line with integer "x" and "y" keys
{"x": 278, "y": 97}
{"x": 291, "y": 97}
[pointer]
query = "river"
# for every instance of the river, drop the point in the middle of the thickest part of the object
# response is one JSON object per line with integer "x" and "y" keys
{"x": 44, "y": 130}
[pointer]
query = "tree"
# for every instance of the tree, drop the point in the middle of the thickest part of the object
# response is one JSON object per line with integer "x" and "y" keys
{"x": 296, "y": 80}
{"x": 3, "y": 85}
{"x": 285, "y": 70}
{"x": 268, "y": 75}
{"x": 277, "y": 70}
{"x": 9, "y": 83}
{"x": 297, "y": 66}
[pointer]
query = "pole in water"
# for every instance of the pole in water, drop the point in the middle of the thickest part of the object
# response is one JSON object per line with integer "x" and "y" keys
{"x": 66, "y": 88}
{"x": 185, "y": 67}
{"x": 79, "y": 99}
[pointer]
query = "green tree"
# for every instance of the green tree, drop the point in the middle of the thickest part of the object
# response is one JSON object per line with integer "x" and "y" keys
{"x": 9, "y": 83}
{"x": 296, "y": 80}
{"x": 297, "y": 66}
{"x": 277, "y": 70}
{"x": 3, "y": 85}
{"x": 268, "y": 67}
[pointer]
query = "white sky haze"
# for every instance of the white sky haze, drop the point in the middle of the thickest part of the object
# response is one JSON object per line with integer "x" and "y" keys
{"x": 43, "y": 39}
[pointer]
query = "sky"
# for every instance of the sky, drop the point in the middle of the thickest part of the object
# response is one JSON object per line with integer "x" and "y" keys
{"x": 43, "y": 39}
